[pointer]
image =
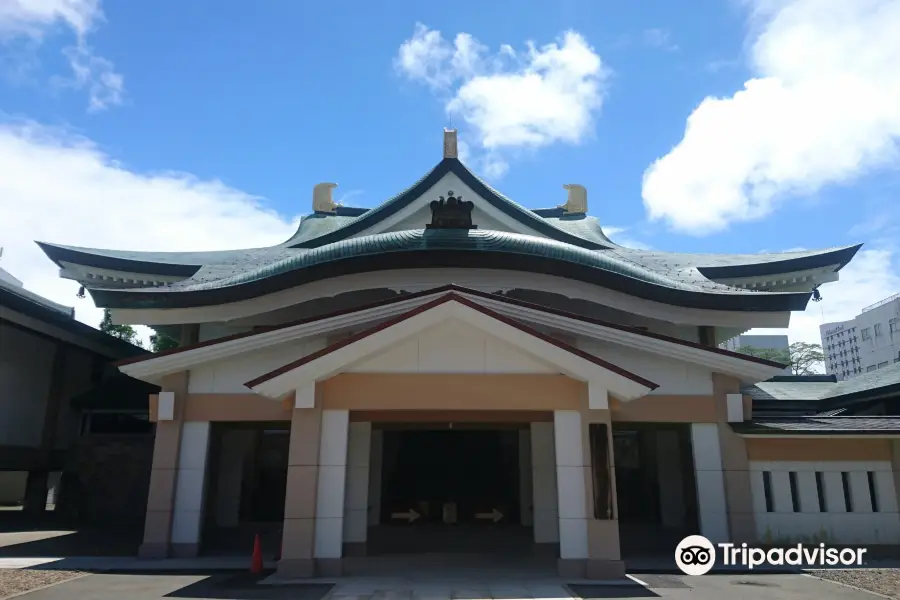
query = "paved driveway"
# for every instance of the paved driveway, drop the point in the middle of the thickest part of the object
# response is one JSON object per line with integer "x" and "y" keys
{"x": 225, "y": 587}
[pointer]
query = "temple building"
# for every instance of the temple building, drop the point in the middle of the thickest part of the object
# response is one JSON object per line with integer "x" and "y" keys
{"x": 452, "y": 372}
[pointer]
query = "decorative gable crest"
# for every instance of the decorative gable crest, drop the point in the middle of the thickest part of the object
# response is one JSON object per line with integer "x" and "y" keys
{"x": 452, "y": 213}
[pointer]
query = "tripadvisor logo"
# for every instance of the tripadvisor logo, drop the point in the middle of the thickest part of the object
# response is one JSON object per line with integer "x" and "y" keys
{"x": 696, "y": 555}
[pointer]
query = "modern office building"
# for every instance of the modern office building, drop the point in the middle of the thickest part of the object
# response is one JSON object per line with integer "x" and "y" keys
{"x": 866, "y": 343}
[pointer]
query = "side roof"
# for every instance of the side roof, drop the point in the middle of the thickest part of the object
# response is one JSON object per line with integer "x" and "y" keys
{"x": 24, "y": 302}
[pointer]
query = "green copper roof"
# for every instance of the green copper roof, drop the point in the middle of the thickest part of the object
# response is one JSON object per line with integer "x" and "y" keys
{"x": 419, "y": 248}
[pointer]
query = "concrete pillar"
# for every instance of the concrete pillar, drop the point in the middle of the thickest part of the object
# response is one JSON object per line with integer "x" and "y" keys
{"x": 895, "y": 462}
{"x": 234, "y": 449}
{"x": 163, "y": 473}
{"x": 356, "y": 501}
{"x": 297, "y": 558}
{"x": 570, "y": 484}
{"x": 543, "y": 478}
{"x": 670, "y": 476}
{"x": 526, "y": 493}
{"x": 331, "y": 486}
{"x": 376, "y": 461}
{"x": 710, "y": 481}
{"x": 190, "y": 488}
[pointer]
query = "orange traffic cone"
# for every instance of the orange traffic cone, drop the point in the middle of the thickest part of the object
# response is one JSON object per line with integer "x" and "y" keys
{"x": 256, "y": 561}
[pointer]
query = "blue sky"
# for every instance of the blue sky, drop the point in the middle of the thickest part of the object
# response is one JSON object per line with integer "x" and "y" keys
{"x": 701, "y": 126}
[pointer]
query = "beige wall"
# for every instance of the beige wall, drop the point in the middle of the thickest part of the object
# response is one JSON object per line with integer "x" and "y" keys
{"x": 818, "y": 449}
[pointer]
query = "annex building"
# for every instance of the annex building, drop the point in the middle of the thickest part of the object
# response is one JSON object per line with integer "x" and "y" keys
{"x": 452, "y": 372}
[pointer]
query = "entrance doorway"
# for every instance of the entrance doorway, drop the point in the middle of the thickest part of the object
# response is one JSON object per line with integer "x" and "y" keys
{"x": 655, "y": 488}
{"x": 450, "y": 488}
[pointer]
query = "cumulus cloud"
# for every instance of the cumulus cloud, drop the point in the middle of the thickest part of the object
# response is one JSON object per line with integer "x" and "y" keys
{"x": 822, "y": 109}
{"x": 508, "y": 100}
{"x": 61, "y": 188}
{"x": 34, "y": 19}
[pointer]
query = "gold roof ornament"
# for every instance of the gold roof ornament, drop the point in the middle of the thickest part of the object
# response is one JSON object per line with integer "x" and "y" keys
{"x": 322, "y": 198}
{"x": 451, "y": 149}
{"x": 576, "y": 203}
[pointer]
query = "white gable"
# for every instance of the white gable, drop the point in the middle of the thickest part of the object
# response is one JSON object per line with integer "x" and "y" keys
{"x": 452, "y": 346}
{"x": 676, "y": 377}
{"x": 418, "y": 213}
{"x": 227, "y": 376}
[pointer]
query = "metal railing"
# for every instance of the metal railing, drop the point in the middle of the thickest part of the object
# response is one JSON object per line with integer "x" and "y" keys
{"x": 882, "y": 302}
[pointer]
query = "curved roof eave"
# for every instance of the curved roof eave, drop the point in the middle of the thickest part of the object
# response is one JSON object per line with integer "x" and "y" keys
{"x": 401, "y": 250}
{"x": 782, "y": 263}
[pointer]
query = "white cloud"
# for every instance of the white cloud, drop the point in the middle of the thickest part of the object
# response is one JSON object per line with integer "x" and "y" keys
{"x": 33, "y": 19}
{"x": 63, "y": 189}
{"x": 509, "y": 101}
{"x": 823, "y": 108}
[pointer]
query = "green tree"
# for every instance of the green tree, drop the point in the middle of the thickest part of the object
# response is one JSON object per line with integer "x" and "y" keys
{"x": 802, "y": 357}
{"x": 160, "y": 341}
{"x": 123, "y": 332}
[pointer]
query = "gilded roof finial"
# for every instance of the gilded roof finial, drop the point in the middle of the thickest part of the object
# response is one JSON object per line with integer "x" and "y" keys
{"x": 450, "y": 146}
{"x": 576, "y": 203}
{"x": 322, "y": 198}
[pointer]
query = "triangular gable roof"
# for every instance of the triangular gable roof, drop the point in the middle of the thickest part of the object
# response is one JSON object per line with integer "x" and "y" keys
{"x": 333, "y": 358}
{"x": 407, "y": 197}
{"x": 747, "y": 367}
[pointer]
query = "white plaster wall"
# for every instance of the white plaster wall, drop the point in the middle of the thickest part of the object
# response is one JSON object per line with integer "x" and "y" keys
{"x": 837, "y": 524}
{"x": 673, "y": 376}
{"x": 25, "y": 364}
{"x": 452, "y": 347}
{"x": 228, "y": 376}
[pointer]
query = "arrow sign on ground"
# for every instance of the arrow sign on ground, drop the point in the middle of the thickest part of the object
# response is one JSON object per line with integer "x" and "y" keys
{"x": 495, "y": 515}
{"x": 409, "y": 515}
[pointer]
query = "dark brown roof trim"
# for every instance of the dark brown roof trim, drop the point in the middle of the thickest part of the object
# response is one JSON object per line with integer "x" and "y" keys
{"x": 461, "y": 289}
{"x": 452, "y": 297}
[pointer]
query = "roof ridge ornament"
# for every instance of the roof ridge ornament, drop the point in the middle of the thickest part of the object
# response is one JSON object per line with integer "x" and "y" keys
{"x": 322, "y": 198}
{"x": 451, "y": 147}
{"x": 452, "y": 213}
{"x": 576, "y": 203}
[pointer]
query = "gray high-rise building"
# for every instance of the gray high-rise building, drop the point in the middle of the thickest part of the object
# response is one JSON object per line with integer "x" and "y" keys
{"x": 868, "y": 342}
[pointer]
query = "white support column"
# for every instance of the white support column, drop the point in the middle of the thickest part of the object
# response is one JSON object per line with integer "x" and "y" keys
{"x": 190, "y": 487}
{"x": 710, "y": 481}
{"x": 376, "y": 459}
{"x": 526, "y": 495}
{"x": 332, "y": 479}
{"x": 543, "y": 481}
{"x": 570, "y": 484}
{"x": 356, "y": 503}
{"x": 671, "y": 479}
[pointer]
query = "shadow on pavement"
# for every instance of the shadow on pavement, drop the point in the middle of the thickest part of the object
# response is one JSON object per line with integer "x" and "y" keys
{"x": 246, "y": 586}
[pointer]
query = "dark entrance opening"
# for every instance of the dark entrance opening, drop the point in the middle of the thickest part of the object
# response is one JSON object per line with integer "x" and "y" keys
{"x": 454, "y": 476}
{"x": 655, "y": 487}
{"x": 450, "y": 489}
